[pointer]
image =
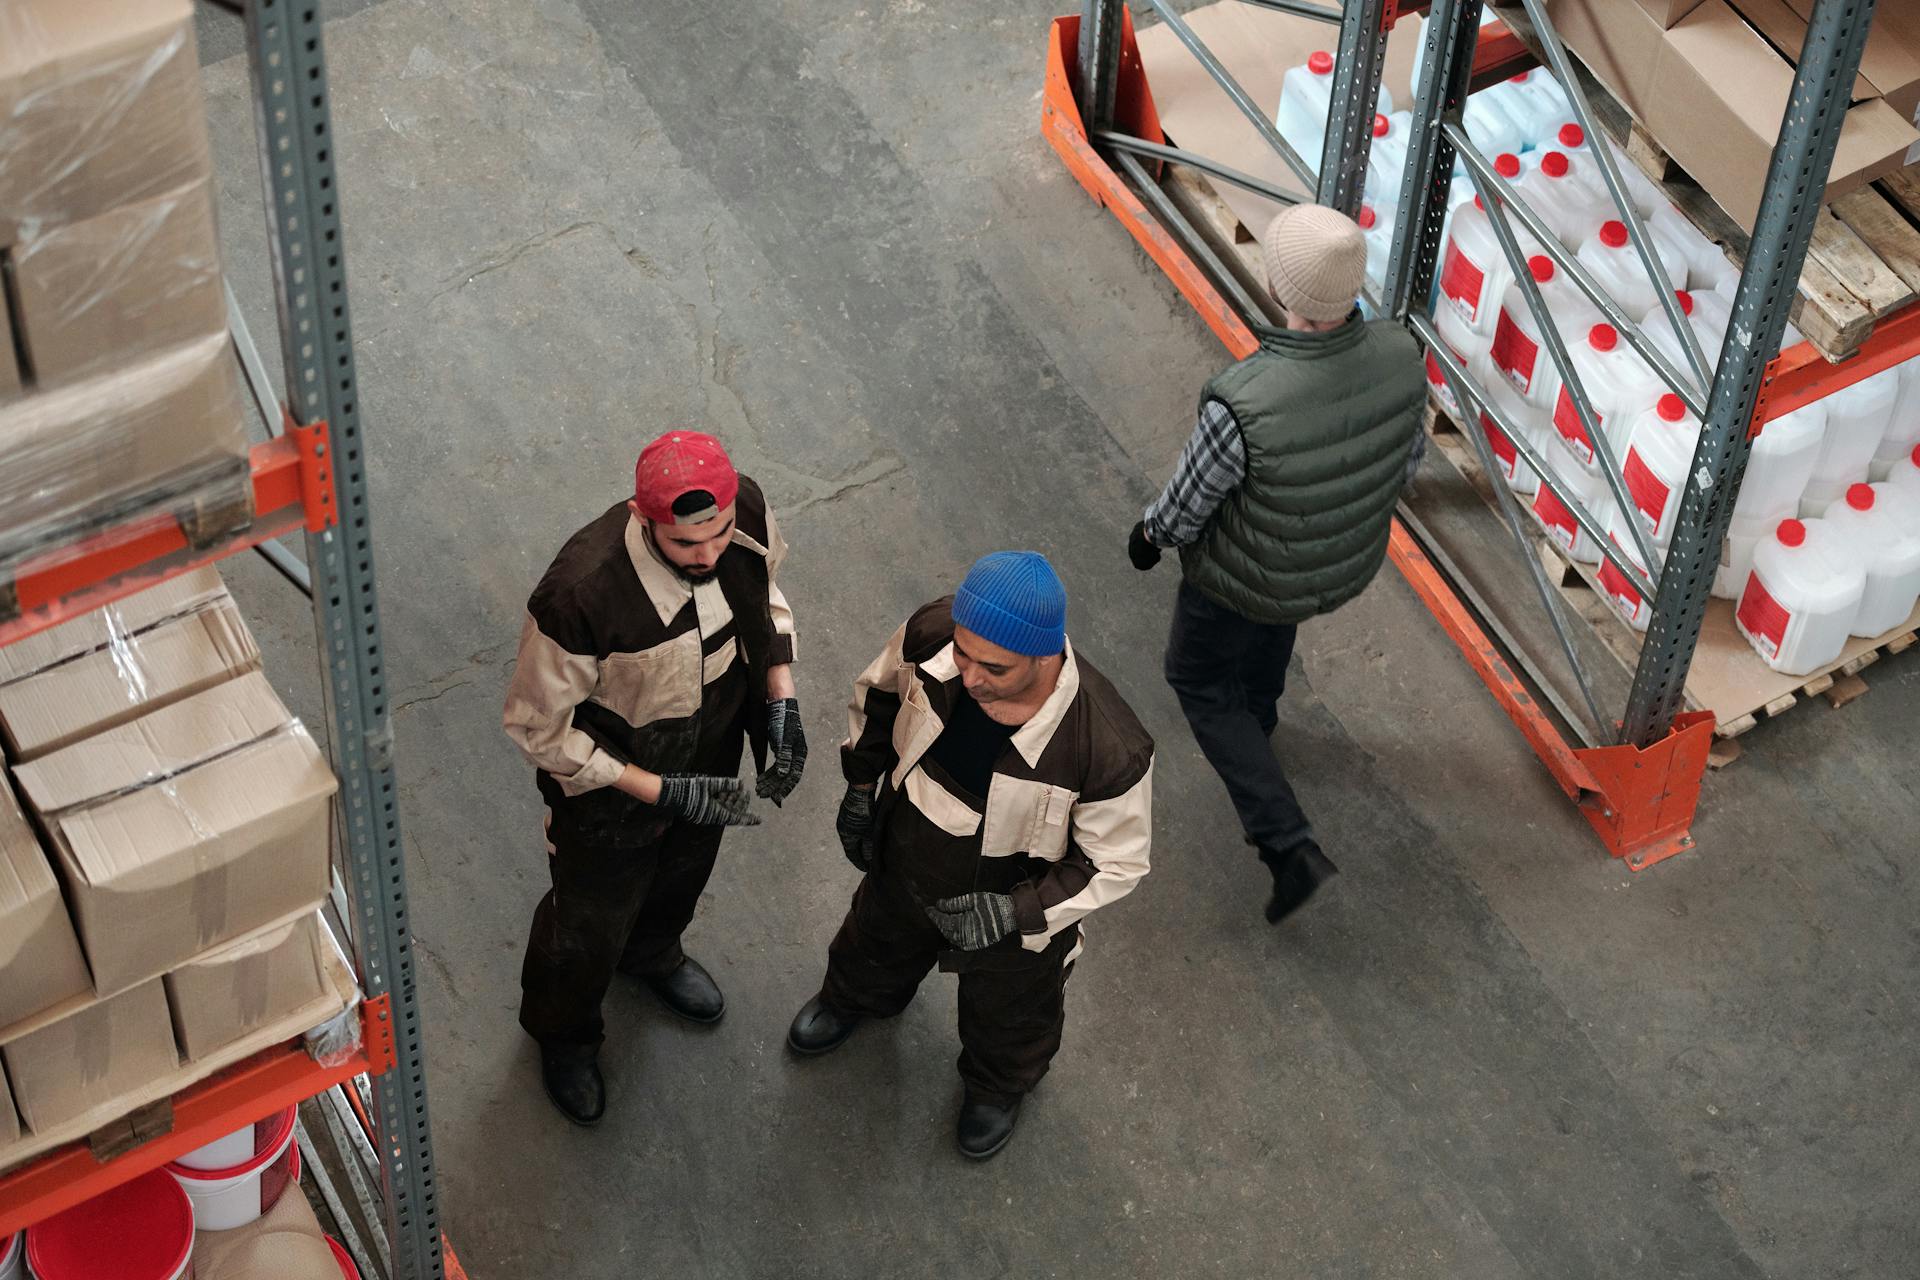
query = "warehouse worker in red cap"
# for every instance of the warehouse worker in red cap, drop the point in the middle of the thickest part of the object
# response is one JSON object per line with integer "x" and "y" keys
{"x": 999, "y": 790}
{"x": 1281, "y": 505}
{"x": 655, "y": 643}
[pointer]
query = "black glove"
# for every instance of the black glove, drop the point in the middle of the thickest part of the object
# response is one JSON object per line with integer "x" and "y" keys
{"x": 706, "y": 801}
{"x": 855, "y": 825}
{"x": 786, "y": 751}
{"x": 1143, "y": 553}
{"x": 973, "y": 920}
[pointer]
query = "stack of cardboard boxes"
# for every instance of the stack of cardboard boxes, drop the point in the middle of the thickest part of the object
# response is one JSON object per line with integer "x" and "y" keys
{"x": 1710, "y": 79}
{"x": 164, "y": 846}
{"x": 118, "y": 389}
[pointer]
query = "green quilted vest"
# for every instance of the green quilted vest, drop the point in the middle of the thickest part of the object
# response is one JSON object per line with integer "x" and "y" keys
{"x": 1328, "y": 420}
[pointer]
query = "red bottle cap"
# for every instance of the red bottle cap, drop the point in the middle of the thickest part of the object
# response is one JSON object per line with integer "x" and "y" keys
{"x": 1791, "y": 533}
{"x": 1685, "y": 300}
{"x": 1520, "y": 79}
{"x": 1380, "y": 125}
{"x": 1553, "y": 164}
{"x": 1860, "y": 497}
{"x": 1476, "y": 204}
{"x": 1320, "y": 62}
{"x": 1572, "y": 135}
{"x": 1613, "y": 233}
{"x": 1671, "y": 407}
{"x": 1541, "y": 266}
{"x": 1603, "y": 337}
{"x": 1366, "y": 218}
{"x": 1915, "y": 455}
{"x": 1507, "y": 164}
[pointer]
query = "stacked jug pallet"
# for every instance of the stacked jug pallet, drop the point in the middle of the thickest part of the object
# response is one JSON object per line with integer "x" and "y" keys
{"x": 1863, "y": 264}
{"x": 1727, "y": 677}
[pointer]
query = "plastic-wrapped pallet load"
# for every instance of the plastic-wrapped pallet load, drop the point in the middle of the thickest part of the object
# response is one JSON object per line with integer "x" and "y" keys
{"x": 40, "y": 961}
{"x": 124, "y": 400}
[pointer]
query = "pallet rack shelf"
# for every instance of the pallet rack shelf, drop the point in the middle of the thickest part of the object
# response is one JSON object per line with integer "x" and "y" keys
{"x": 310, "y": 478}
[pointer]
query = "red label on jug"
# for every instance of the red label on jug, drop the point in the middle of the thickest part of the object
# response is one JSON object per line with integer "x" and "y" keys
{"x": 1566, "y": 420}
{"x": 1615, "y": 584}
{"x": 1554, "y": 514}
{"x": 1650, "y": 492}
{"x": 1762, "y": 617}
{"x": 1503, "y": 449}
{"x": 1462, "y": 282}
{"x": 1514, "y": 352}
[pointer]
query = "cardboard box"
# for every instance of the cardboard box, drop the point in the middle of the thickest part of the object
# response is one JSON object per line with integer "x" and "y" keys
{"x": 76, "y": 699}
{"x": 100, "y": 105}
{"x": 280, "y": 1243}
{"x": 99, "y": 293}
{"x": 9, "y": 371}
{"x": 1890, "y": 64}
{"x": 84, "y": 1064}
{"x": 227, "y": 995}
{"x": 191, "y": 827}
{"x": 1712, "y": 92}
{"x": 125, "y": 443}
{"x": 1668, "y": 12}
{"x": 40, "y": 960}
{"x": 9, "y": 1118}
{"x": 112, "y": 624}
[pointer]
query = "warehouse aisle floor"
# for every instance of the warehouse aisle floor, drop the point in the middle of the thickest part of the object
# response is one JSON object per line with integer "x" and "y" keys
{"x": 832, "y": 235}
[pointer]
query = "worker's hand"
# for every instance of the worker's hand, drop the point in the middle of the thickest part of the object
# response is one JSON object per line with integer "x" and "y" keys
{"x": 855, "y": 825}
{"x": 707, "y": 801}
{"x": 973, "y": 921}
{"x": 1142, "y": 552}
{"x": 786, "y": 751}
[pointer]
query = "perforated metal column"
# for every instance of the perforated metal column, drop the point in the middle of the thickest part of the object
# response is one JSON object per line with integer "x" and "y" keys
{"x": 290, "y": 99}
{"x": 1356, "y": 94}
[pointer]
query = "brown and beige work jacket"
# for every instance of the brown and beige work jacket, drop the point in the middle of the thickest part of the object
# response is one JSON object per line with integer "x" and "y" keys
{"x": 623, "y": 661}
{"x": 1066, "y": 825}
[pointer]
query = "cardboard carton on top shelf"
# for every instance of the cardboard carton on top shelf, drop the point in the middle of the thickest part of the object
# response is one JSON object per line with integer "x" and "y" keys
{"x": 139, "y": 441}
{"x": 1667, "y": 12}
{"x": 191, "y": 827}
{"x": 87, "y": 1062}
{"x": 112, "y": 624}
{"x": 225, "y": 996}
{"x": 99, "y": 293}
{"x": 9, "y": 1118}
{"x": 40, "y": 960}
{"x": 1890, "y": 64}
{"x": 100, "y": 105}
{"x": 78, "y": 698}
{"x": 9, "y": 371}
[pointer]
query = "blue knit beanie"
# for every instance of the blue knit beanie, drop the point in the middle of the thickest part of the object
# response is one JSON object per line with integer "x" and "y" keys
{"x": 1014, "y": 599}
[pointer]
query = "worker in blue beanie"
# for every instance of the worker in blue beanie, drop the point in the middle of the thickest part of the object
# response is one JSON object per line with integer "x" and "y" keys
{"x": 998, "y": 790}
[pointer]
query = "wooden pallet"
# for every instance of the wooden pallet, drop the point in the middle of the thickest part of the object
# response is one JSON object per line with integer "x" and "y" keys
{"x": 1739, "y": 689}
{"x": 1864, "y": 261}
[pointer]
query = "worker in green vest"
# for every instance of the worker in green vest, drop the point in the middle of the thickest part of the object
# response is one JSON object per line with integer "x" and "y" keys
{"x": 1281, "y": 505}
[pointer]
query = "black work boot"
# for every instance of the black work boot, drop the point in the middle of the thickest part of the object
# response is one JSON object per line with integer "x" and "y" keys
{"x": 690, "y": 991}
{"x": 1298, "y": 872}
{"x": 820, "y": 1028}
{"x": 985, "y": 1127}
{"x": 571, "y": 1073}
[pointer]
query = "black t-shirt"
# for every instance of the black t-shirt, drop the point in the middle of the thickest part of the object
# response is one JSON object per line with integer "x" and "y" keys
{"x": 970, "y": 745}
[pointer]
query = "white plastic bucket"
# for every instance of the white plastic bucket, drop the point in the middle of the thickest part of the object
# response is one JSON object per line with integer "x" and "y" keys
{"x": 1659, "y": 455}
{"x": 1871, "y": 526}
{"x": 1857, "y": 421}
{"x": 238, "y": 1194}
{"x": 1800, "y": 600}
{"x": 139, "y": 1230}
{"x": 1558, "y": 520}
{"x": 10, "y": 1256}
{"x": 1519, "y": 349}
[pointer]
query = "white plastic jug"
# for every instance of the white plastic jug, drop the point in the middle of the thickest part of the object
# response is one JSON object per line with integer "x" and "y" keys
{"x": 1728, "y": 285}
{"x": 1306, "y": 96}
{"x": 1615, "y": 586}
{"x": 1378, "y": 233}
{"x": 1905, "y": 474}
{"x": 1800, "y": 599}
{"x": 1520, "y": 477}
{"x": 1387, "y": 159}
{"x": 1557, "y": 518}
{"x": 1705, "y": 261}
{"x": 1609, "y": 254}
{"x": 1700, "y": 320}
{"x": 1492, "y": 127}
{"x": 1474, "y": 274}
{"x": 1870, "y": 523}
{"x": 1779, "y": 467}
{"x": 1642, "y": 190}
{"x": 1619, "y": 385}
{"x": 1857, "y": 421}
{"x": 1518, "y": 349}
{"x": 1659, "y": 456}
{"x": 1563, "y": 200}
{"x": 1437, "y": 385}
{"x": 1744, "y": 537}
{"x": 1903, "y": 429}
{"x": 1535, "y": 99}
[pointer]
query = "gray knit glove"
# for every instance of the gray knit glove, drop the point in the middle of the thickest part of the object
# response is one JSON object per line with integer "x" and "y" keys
{"x": 786, "y": 751}
{"x": 973, "y": 921}
{"x": 707, "y": 801}
{"x": 855, "y": 827}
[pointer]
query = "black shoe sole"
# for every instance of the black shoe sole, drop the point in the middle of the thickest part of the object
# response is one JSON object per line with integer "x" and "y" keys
{"x": 574, "y": 1119}
{"x": 991, "y": 1151}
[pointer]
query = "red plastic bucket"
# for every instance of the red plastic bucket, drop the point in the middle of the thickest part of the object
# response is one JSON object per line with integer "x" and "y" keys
{"x": 235, "y": 1196}
{"x": 347, "y": 1270}
{"x": 140, "y": 1230}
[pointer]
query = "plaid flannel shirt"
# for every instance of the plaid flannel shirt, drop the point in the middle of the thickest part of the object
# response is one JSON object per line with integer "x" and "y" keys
{"x": 1213, "y": 464}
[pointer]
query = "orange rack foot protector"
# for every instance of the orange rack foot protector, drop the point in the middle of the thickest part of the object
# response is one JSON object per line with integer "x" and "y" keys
{"x": 1639, "y": 801}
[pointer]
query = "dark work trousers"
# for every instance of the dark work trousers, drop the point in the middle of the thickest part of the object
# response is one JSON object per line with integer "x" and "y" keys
{"x": 1229, "y": 673}
{"x": 619, "y": 908}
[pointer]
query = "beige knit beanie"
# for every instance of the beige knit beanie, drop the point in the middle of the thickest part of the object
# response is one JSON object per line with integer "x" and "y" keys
{"x": 1316, "y": 261}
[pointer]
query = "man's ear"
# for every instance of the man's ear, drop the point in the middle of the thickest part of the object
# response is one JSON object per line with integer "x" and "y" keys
{"x": 633, "y": 508}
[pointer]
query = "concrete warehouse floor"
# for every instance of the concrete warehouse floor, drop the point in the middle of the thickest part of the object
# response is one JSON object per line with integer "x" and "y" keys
{"x": 832, "y": 235}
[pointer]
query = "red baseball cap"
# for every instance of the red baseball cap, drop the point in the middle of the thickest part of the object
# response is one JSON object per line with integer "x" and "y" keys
{"x": 679, "y": 463}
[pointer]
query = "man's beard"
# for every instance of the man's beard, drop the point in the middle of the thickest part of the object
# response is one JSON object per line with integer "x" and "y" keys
{"x": 686, "y": 574}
